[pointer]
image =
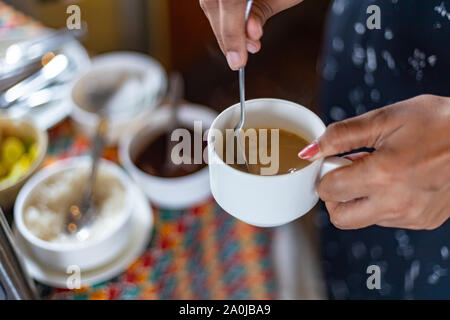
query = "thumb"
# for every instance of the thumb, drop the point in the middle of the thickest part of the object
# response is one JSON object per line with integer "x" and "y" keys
{"x": 344, "y": 136}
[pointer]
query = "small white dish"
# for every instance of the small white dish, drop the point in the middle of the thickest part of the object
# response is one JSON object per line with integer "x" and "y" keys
{"x": 173, "y": 193}
{"x": 146, "y": 93}
{"x": 87, "y": 254}
{"x": 141, "y": 231}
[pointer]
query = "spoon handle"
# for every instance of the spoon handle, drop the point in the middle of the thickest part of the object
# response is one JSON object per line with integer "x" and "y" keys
{"x": 97, "y": 150}
{"x": 248, "y": 9}
{"x": 240, "y": 125}
{"x": 242, "y": 73}
{"x": 176, "y": 93}
{"x": 80, "y": 215}
{"x": 37, "y": 81}
{"x": 242, "y": 97}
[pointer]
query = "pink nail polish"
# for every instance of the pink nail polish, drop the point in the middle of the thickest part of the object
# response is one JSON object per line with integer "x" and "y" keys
{"x": 309, "y": 151}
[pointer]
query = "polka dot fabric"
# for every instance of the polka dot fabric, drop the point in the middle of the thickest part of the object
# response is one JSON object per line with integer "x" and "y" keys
{"x": 363, "y": 70}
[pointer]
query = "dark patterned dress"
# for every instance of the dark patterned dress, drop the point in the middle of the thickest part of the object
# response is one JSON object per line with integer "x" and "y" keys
{"x": 364, "y": 69}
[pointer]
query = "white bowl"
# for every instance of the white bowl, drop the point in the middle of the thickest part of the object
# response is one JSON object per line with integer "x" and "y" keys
{"x": 87, "y": 254}
{"x": 154, "y": 85}
{"x": 177, "y": 192}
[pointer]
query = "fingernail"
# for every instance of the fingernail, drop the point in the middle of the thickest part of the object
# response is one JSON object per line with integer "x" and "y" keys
{"x": 234, "y": 60}
{"x": 356, "y": 156}
{"x": 251, "y": 48}
{"x": 309, "y": 151}
{"x": 350, "y": 157}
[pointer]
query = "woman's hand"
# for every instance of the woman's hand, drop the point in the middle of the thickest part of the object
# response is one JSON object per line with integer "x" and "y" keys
{"x": 227, "y": 19}
{"x": 405, "y": 182}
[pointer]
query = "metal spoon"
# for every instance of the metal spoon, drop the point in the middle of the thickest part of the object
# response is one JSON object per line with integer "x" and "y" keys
{"x": 80, "y": 216}
{"x": 42, "y": 97}
{"x": 51, "y": 71}
{"x": 240, "y": 125}
{"x": 175, "y": 95}
{"x": 23, "y": 55}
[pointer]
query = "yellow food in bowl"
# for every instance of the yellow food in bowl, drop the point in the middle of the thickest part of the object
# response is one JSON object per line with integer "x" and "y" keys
{"x": 16, "y": 158}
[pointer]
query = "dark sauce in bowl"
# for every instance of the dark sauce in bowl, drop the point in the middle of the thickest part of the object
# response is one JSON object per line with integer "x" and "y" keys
{"x": 154, "y": 158}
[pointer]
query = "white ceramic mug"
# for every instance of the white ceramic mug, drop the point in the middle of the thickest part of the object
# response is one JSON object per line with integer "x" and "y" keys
{"x": 268, "y": 201}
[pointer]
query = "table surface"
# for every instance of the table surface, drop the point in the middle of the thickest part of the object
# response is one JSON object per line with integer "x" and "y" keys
{"x": 195, "y": 253}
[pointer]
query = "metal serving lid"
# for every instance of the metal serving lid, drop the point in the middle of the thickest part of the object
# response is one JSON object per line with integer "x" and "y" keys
{"x": 15, "y": 284}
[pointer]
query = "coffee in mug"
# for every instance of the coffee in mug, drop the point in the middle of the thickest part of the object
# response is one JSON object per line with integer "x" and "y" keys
{"x": 266, "y": 148}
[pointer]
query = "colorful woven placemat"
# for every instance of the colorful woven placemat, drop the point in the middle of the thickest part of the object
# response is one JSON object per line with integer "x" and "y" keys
{"x": 197, "y": 253}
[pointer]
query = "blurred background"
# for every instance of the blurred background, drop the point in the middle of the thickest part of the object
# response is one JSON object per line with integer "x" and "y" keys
{"x": 178, "y": 34}
{"x": 198, "y": 251}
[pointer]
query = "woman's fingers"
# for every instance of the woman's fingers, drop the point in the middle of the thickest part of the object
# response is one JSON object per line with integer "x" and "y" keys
{"x": 227, "y": 19}
{"x": 403, "y": 184}
{"x": 254, "y": 27}
{"x": 253, "y": 46}
{"x": 356, "y": 156}
{"x": 211, "y": 9}
{"x": 351, "y": 134}
{"x": 224, "y": 15}
{"x": 355, "y": 214}
{"x": 233, "y": 33}
{"x": 347, "y": 183}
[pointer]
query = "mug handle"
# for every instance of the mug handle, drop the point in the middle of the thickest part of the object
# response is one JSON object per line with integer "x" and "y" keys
{"x": 332, "y": 163}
